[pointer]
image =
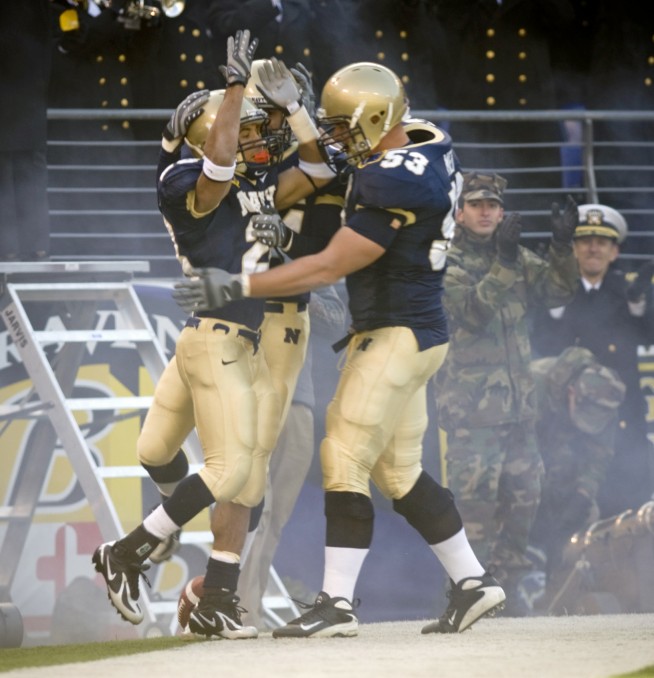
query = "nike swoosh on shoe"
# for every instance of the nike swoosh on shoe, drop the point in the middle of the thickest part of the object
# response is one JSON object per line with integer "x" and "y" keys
{"x": 121, "y": 599}
{"x": 308, "y": 627}
{"x": 209, "y": 622}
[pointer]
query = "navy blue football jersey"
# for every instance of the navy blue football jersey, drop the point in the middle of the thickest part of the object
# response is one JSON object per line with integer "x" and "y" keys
{"x": 404, "y": 200}
{"x": 314, "y": 219}
{"x": 221, "y": 238}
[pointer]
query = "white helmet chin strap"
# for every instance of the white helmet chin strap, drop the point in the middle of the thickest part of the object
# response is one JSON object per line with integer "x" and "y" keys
{"x": 354, "y": 120}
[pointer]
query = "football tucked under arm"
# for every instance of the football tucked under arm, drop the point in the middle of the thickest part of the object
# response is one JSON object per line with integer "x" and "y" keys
{"x": 188, "y": 599}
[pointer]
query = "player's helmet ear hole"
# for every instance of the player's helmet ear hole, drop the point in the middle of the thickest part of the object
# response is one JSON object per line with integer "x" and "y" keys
{"x": 375, "y": 119}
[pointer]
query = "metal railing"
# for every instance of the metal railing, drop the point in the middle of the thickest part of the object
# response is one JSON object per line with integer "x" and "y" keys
{"x": 103, "y": 200}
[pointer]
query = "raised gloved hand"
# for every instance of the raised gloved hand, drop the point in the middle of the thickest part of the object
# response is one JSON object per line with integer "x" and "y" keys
{"x": 208, "y": 288}
{"x": 240, "y": 52}
{"x": 270, "y": 229}
{"x": 564, "y": 225}
{"x": 303, "y": 78}
{"x": 279, "y": 87}
{"x": 507, "y": 238}
{"x": 189, "y": 110}
{"x": 642, "y": 283}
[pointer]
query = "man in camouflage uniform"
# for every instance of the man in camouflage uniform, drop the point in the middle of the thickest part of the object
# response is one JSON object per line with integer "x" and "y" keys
{"x": 578, "y": 401}
{"x": 485, "y": 391}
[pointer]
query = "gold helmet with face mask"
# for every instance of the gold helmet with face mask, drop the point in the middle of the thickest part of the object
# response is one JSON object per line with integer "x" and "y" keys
{"x": 196, "y": 136}
{"x": 366, "y": 97}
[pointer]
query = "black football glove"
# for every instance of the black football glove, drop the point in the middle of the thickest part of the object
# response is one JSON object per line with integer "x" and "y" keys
{"x": 189, "y": 110}
{"x": 507, "y": 238}
{"x": 208, "y": 288}
{"x": 240, "y": 52}
{"x": 564, "y": 225}
{"x": 279, "y": 88}
{"x": 642, "y": 283}
{"x": 270, "y": 229}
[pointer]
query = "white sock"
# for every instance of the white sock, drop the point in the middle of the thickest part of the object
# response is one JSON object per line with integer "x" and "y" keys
{"x": 457, "y": 557}
{"x": 342, "y": 567}
{"x": 159, "y": 523}
{"x": 225, "y": 556}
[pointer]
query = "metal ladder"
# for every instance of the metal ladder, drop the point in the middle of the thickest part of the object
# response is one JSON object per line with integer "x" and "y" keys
{"x": 83, "y": 287}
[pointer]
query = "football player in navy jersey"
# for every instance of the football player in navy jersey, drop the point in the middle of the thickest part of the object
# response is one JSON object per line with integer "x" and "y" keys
{"x": 285, "y": 328}
{"x": 217, "y": 381}
{"x": 398, "y": 219}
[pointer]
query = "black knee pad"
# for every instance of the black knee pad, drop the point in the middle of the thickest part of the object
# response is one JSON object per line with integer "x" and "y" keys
{"x": 429, "y": 508}
{"x": 172, "y": 472}
{"x": 255, "y": 516}
{"x": 350, "y": 518}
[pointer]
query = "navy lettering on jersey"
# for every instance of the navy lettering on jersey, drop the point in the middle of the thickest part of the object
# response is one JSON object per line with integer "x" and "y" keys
{"x": 222, "y": 238}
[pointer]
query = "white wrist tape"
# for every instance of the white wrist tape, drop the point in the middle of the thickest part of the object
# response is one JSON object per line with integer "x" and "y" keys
{"x": 217, "y": 172}
{"x": 170, "y": 146}
{"x": 245, "y": 284}
{"x": 303, "y": 126}
{"x": 317, "y": 170}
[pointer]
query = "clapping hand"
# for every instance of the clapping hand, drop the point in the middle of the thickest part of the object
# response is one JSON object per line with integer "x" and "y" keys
{"x": 642, "y": 283}
{"x": 564, "y": 225}
{"x": 507, "y": 238}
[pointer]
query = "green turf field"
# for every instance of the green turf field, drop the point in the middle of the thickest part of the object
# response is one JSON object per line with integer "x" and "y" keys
{"x": 49, "y": 655}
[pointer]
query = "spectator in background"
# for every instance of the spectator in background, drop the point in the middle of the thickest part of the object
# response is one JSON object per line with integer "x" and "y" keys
{"x": 577, "y": 405}
{"x": 25, "y": 55}
{"x": 485, "y": 389}
{"x": 612, "y": 318}
{"x": 308, "y": 31}
{"x": 289, "y": 462}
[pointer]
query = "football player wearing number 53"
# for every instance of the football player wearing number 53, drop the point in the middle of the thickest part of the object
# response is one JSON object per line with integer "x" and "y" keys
{"x": 398, "y": 219}
{"x": 218, "y": 380}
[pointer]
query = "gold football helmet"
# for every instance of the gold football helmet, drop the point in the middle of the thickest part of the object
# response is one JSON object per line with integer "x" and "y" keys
{"x": 197, "y": 133}
{"x": 360, "y": 104}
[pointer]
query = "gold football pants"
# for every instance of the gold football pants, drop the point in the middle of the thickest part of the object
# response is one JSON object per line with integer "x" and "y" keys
{"x": 218, "y": 382}
{"x": 378, "y": 416}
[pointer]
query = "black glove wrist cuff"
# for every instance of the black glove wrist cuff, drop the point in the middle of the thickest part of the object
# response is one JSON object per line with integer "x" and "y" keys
{"x": 288, "y": 240}
{"x": 560, "y": 245}
{"x": 507, "y": 262}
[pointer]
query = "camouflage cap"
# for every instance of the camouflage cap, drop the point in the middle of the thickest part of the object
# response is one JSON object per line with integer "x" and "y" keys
{"x": 601, "y": 220}
{"x": 599, "y": 391}
{"x": 480, "y": 186}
